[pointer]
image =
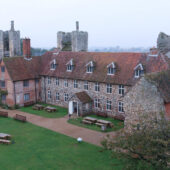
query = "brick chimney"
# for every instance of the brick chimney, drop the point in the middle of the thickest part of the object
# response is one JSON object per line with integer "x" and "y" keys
{"x": 26, "y": 48}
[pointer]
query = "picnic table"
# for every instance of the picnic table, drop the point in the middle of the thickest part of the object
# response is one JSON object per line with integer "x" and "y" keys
{"x": 91, "y": 119}
{"x": 50, "y": 109}
{"x": 5, "y": 136}
{"x": 38, "y": 107}
{"x": 105, "y": 122}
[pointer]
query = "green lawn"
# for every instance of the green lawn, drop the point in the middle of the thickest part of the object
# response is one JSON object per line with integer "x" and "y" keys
{"x": 37, "y": 148}
{"x": 117, "y": 124}
{"x": 61, "y": 112}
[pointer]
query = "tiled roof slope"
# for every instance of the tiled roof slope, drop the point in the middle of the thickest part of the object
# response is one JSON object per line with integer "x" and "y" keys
{"x": 162, "y": 81}
{"x": 22, "y": 69}
{"x": 83, "y": 97}
{"x": 125, "y": 63}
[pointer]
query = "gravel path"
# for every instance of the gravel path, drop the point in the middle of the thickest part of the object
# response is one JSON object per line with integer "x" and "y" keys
{"x": 61, "y": 125}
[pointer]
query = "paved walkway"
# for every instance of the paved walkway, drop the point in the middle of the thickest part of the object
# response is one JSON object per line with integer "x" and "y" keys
{"x": 60, "y": 125}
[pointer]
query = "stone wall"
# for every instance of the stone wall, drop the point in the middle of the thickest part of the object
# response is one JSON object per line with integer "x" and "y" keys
{"x": 163, "y": 42}
{"x": 1, "y": 45}
{"x": 63, "y": 38}
{"x": 142, "y": 101}
{"x": 79, "y": 41}
{"x": 10, "y": 44}
{"x": 14, "y": 43}
{"x": 115, "y": 97}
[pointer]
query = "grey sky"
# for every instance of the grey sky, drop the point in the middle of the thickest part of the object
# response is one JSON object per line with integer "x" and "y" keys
{"x": 127, "y": 23}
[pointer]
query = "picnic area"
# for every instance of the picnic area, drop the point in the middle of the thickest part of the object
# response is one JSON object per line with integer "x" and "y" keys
{"x": 39, "y": 148}
{"x": 94, "y": 122}
{"x": 45, "y": 110}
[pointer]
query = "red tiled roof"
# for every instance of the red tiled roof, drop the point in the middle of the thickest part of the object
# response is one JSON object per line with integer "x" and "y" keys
{"x": 125, "y": 63}
{"x": 22, "y": 69}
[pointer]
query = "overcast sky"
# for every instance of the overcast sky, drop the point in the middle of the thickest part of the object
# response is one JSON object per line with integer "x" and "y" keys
{"x": 127, "y": 23}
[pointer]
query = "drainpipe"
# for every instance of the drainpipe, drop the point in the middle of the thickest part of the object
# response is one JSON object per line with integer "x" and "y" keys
{"x": 14, "y": 93}
{"x": 35, "y": 91}
{"x": 45, "y": 88}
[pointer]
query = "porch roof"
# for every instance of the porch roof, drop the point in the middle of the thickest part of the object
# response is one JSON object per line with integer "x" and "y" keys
{"x": 83, "y": 97}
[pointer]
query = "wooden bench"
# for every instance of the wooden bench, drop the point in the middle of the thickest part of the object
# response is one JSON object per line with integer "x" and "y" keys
{"x": 3, "y": 141}
{"x": 87, "y": 122}
{"x": 20, "y": 118}
{"x": 101, "y": 114}
{"x": 99, "y": 124}
{"x": 3, "y": 114}
{"x": 29, "y": 103}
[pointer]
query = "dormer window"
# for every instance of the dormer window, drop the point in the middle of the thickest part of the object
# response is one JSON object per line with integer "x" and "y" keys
{"x": 53, "y": 65}
{"x": 111, "y": 69}
{"x": 70, "y": 65}
{"x": 90, "y": 67}
{"x": 138, "y": 70}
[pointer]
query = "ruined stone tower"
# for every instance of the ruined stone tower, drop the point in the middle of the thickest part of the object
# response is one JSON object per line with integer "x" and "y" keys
{"x": 10, "y": 42}
{"x": 73, "y": 41}
{"x": 163, "y": 42}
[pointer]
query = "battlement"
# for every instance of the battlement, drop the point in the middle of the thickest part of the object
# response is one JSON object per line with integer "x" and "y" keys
{"x": 10, "y": 42}
{"x": 73, "y": 41}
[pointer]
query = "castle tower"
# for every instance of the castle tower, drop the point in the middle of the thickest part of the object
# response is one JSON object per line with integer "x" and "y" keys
{"x": 1, "y": 44}
{"x": 26, "y": 48}
{"x": 73, "y": 41}
{"x": 14, "y": 41}
{"x": 79, "y": 40}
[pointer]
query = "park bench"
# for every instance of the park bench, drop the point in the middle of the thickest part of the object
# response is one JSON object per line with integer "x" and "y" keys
{"x": 99, "y": 124}
{"x": 119, "y": 117}
{"x": 3, "y": 114}
{"x": 3, "y": 141}
{"x": 20, "y": 118}
{"x": 29, "y": 103}
{"x": 87, "y": 122}
{"x": 101, "y": 114}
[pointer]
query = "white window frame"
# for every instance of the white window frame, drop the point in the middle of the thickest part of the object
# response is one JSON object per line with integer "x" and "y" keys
{"x": 89, "y": 69}
{"x": 49, "y": 80}
{"x": 49, "y": 94}
{"x": 121, "y": 89}
{"x": 57, "y": 96}
{"x": 97, "y": 86}
{"x": 97, "y": 103}
{"x": 110, "y": 71}
{"x": 26, "y": 97}
{"x": 65, "y": 97}
{"x": 69, "y": 68}
{"x": 65, "y": 83}
{"x": 108, "y": 105}
{"x": 109, "y": 88}
{"x": 138, "y": 70}
{"x": 53, "y": 65}
{"x": 120, "y": 107}
{"x": 86, "y": 85}
{"x": 57, "y": 81}
{"x": 75, "y": 83}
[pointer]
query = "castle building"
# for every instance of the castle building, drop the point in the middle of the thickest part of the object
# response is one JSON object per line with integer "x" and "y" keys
{"x": 75, "y": 41}
{"x": 84, "y": 82}
{"x": 10, "y": 42}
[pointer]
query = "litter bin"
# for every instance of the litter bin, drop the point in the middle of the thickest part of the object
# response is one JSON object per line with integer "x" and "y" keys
{"x": 103, "y": 128}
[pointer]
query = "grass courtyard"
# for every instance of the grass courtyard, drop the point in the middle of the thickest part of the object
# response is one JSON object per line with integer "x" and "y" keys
{"x": 117, "y": 123}
{"x": 37, "y": 148}
{"x": 61, "y": 112}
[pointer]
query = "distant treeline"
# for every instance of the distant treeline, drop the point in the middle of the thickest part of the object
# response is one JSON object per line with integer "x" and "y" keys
{"x": 118, "y": 49}
{"x": 39, "y": 51}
